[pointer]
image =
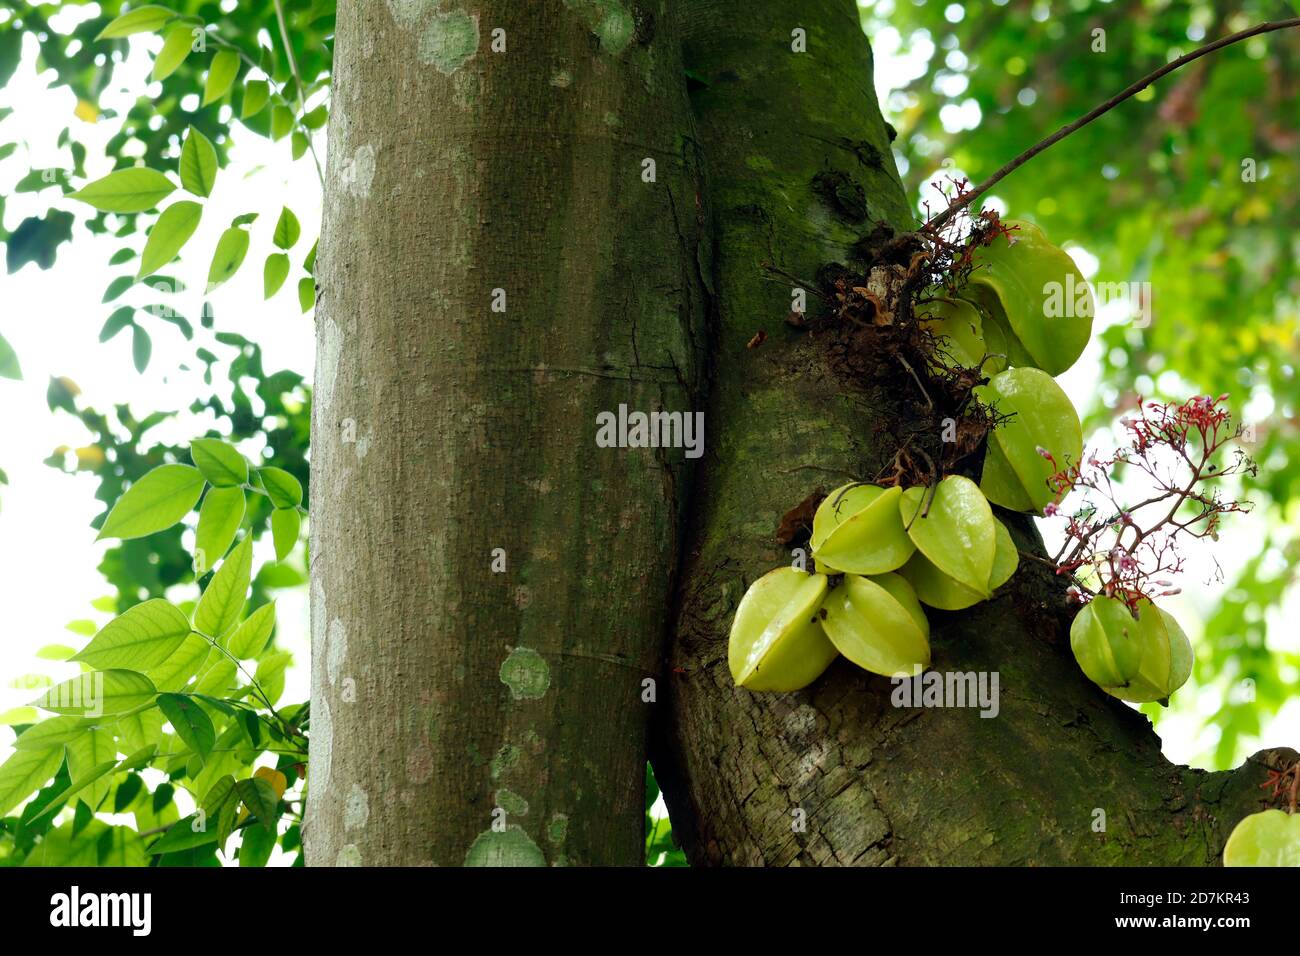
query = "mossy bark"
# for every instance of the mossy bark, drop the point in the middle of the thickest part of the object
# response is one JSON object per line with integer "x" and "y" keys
{"x": 834, "y": 774}
{"x": 469, "y": 704}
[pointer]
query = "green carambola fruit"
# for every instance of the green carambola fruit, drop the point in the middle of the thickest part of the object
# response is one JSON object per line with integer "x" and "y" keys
{"x": 1166, "y": 657}
{"x": 1034, "y": 297}
{"x": 858, "y": 529}
{"x": 936, "y": 589}
{"x": 954, "y": 529}
{"x": 878, "y": 624}
{"x": 1104, "y": 638}
{"x": 1270, "y": 838}
{"x": 1042, "y": 417}
{"x": 777, "y": 641}
{"x": 958, "y": 324}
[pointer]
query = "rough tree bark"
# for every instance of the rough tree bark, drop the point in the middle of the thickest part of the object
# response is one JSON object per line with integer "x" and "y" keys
{"x": 877, "y": 785}
{"x": 449, "y": 695}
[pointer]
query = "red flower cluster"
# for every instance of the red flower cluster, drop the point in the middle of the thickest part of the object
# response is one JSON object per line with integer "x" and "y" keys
{"x": 1129, "y": 551}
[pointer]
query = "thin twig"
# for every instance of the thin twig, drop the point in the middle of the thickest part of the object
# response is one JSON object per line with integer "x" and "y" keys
{"x": 967, "y": 198}
{"x": 297, "y": 81}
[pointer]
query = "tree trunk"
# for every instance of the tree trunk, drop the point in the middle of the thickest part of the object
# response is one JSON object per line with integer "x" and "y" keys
{"x": 498, "y": 265}
{"x": 876, "y": 784}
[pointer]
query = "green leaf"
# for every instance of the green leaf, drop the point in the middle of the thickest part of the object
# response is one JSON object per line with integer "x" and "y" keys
{"x": 251, "y": 637}
{"x": 217, "y": 677}
{"x": 54, "y": 732}
{"x": 117, "y": 287}
{"x": 219, "y": 461}
{"x": 221, "y": 76}
{"x": 316, "y": 118}
{"x": 306, "y": 293}
{"x": 220, "y": 606}
{"x": 127, "y": 190}
{"x": 90, "y": 757}
{"x": 141, "y": 729}
{"x": 18, "y": 715}
{"x": 256, "y": 95}
{"x": 24, "y": 773}
{"x": 9, "y": 367}
{"x": 126, "y": 792}
{"x": 156, "y": 501}
{"x": 185, "y": 833}
{"x": 256, "y": 846}
{"x": 299, "y": 144}
{"x": 219, "y": 520}
{"x": 141, "y": 348}
{"x": 283, "y": 488}
{"x": 281, "y": 122}
{"x": 259, "y": 796}
{"x": 121, "y": 846}
{"x": 231, "y": 249}
{"x": 175, "y": 48}
{"x": 285, "y": 523}
{"x": 176, "y": 671}
{"x": 98, "y": 692}
{"x": 172, "y": 230}
{"x": 274, "y": 273}
{"x": 143, "y": 637}
{"x": 198, "y": 165}
{"x": 144, "y": 19}
{"x": 190, "y": 721}
{"x": 287, "y": 229}
{"x": 310, "y": 262}
{"x": 119, "y": 320}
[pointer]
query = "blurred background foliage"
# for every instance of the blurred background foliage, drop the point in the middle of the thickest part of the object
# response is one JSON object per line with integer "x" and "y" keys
{"x": 1191, "y": 187}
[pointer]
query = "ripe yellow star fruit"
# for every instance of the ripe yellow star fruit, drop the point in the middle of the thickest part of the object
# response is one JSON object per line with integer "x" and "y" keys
{"x": 1034, "y": 301}
{"x": 1104, "y": 638}
{"x": 777, "y": 642}
{"x": 937, "y": 589}
{"x": 858, "y": 529}
{"x": 1042, "y": 419}
{"x": 1166, "y": 657}
{"x": 1270, "y": 838}
{"x": 877, "y": 623}
{"x": 952, "y": 525}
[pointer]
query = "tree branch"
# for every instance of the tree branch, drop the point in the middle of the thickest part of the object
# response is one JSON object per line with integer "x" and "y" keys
{"x": 967, "y": 198}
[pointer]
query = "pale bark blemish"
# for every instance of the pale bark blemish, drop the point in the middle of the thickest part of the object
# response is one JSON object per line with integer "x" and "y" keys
{"x": 449, "y": 40}
{"x": 609, "y": 20}
{"x": 508, "y": 847}
{"x": 561, "y": 79}
{"x": 322, "y": 744}
{"x": 336, "y": 649}
{"x": 357, "y": 810}
{"x": 526, "y": 673}
{"x": 362, "y": 446}
{"x": 349, "y": 856}
{"x": 358, "y": 173}
{"x": 327, "y": 364}
{"x": 512, "y": 803}
{"x": 504, "y": 760}
{"x": 557, "y": 831}
{"x": 408, "y": 13}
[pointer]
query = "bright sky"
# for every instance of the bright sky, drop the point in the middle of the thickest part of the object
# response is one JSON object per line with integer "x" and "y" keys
{"x": 48, "y": 560}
